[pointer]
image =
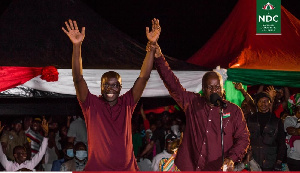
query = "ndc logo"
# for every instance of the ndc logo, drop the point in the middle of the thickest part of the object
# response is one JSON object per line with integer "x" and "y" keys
{"x": 268, "y": 6}
{"x": 268, "y": 18}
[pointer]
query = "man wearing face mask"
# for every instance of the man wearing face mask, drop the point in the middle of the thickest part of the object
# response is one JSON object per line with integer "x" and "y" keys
{"x": 68, "y": 152}
{"x": 79, "y": 161}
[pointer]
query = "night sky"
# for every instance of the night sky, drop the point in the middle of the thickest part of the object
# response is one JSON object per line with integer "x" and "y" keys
{"x": 186, "y": 25}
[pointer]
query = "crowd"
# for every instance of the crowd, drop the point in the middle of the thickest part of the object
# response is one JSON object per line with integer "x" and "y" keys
{"x": 206, "y": 133}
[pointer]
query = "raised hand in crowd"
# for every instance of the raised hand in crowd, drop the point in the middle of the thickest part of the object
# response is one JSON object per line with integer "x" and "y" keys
{"x": 272, "y": 92}
{"x": 45, "y": 127}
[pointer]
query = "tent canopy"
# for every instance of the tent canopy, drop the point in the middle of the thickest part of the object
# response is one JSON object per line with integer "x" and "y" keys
{"x": 236, "y": 46}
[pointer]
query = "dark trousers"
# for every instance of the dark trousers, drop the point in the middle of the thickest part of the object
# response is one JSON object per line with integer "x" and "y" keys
{"x": 294, "y": 165}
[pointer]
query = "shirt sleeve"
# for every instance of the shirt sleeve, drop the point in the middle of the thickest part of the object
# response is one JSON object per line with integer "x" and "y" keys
{"x": 86, "y": 105}
{"x": 240, "y": 137}
{"x": 38, "y": 157}
{"x": 3, "y": 159}
{"x": 176, "y": 90}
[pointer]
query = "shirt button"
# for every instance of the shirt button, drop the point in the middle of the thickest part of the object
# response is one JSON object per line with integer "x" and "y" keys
{"x": 211, "y": 109}
{"x": 198, "y": 167}
{"x": 204, "y": 143}
{"x": 201, "y": 156}
{"x": 207, "y": 131}
{"x": 209, "y": 120}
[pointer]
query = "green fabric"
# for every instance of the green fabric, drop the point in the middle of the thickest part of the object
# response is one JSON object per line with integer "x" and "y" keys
{"x": 137, "y": 142}
{"x": 264, "y": 77}
{"x": 233, "y": 95}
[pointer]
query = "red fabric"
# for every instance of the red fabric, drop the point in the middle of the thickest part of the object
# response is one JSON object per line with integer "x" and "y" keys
{"x": 160, "y": 110}
{"x": 236, "y": 44}
{"x": 11, "y": 77}
{"x": 278, "y": 111}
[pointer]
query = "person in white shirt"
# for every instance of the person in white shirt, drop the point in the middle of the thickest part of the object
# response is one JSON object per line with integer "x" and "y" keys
{"x": 20, "y": 154}
{"x": 166, "y": 154}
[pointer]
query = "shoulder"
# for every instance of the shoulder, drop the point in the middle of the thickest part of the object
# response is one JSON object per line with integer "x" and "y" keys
{"x": 290, "y": 120}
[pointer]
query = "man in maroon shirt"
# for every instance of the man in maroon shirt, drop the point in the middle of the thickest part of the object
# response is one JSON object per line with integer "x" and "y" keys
{"x": 201, "y": 148}
{"x": 108, "y": 117}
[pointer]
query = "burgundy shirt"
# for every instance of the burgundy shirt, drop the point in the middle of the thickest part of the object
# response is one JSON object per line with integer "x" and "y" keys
{"x": 201, "y": 145}
{"x": 109, "y": 133}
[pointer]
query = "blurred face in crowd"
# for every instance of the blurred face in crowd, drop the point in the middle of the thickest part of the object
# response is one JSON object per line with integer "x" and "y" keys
{"x": 80, "y": 151}
{"x": 212, "y": 83}
{"x": 111, "y": 87}
{"x": 64, "y": 130}
{"x": 279, "y": 94}
{"x": 36, "y": 125}
{"x": 20, "y": 154}
{"x": 264, "y": 104}
{"x": 17, "y": 127}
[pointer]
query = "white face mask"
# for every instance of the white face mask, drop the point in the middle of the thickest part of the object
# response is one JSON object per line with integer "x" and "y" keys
{"x": 175, "y": 129}
{"x": 81, "y": 154}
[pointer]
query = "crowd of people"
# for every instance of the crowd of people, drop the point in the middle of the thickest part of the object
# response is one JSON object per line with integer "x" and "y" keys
{"x": 206, "y": 133}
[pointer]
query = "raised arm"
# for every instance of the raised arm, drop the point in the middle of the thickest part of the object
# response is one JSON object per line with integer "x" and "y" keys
{"x": 76, "y": 38}
{"x": 147, "y": 66}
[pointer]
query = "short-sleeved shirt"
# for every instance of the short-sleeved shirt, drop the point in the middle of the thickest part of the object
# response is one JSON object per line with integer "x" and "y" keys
{"x": 12, "y": 139}
{"x": 109, "y": 133}
{"x": 78, "y": 130}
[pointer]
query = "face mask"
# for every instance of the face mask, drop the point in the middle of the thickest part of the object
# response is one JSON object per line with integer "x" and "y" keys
{"x": 175, "y": 129}
{"x": 81, "y": 154}
{"x": 70, "y": 153}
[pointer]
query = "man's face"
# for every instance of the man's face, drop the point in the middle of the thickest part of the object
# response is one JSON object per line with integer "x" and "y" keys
{"x": 263, "y": 104}
{"x": 110, "y": 90}
{"x": 212, "y": 85}
{"x": 17, "y": 127}
{"x": 20, "y": 155}
{"x": 36, "y": 125}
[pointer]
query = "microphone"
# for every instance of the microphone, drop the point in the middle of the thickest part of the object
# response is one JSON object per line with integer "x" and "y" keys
{"x": 216, "y": 100}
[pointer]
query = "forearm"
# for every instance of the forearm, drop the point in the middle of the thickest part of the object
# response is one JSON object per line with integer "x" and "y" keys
{"x": 147, "y": 65}
{"x": 76, "y": 63}
{"x": 147, "y": 149}
{"x": 144, "y": 76}
{"x": 170, "y": 80}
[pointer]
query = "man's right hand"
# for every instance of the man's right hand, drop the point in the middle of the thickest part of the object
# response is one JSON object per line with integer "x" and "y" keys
{"x": 73, "y": 33}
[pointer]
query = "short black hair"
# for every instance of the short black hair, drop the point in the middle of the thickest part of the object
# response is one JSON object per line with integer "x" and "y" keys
{"x": 261, "y": 95}
{"x": 17, "y": 148}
